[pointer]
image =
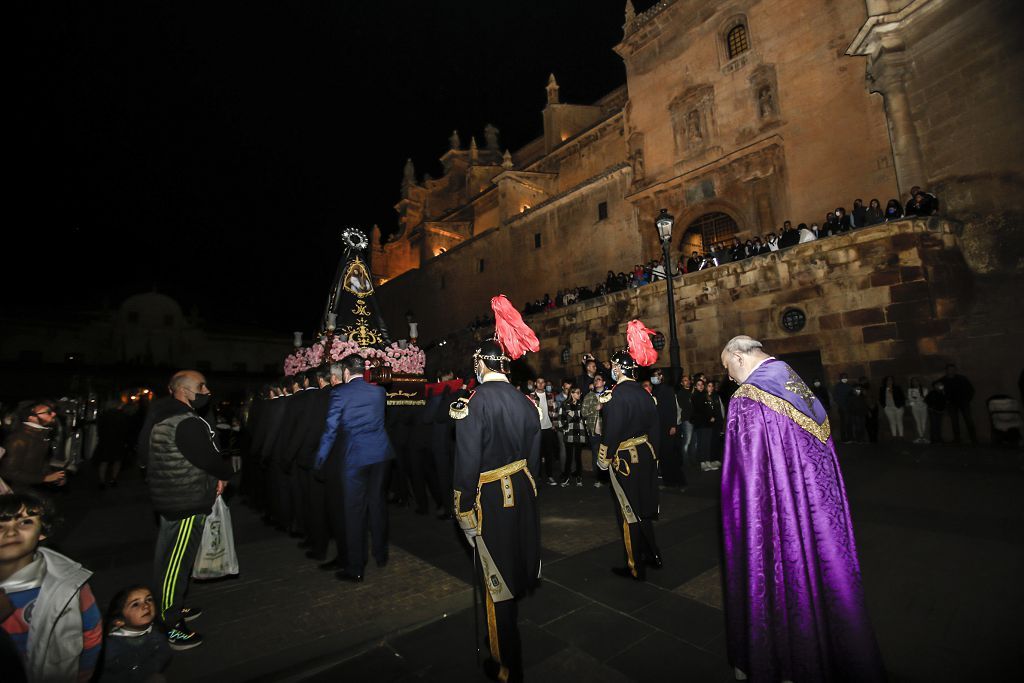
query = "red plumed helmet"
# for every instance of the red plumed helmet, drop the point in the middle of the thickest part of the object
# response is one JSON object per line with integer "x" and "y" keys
{"x": 638, "y": 338}
{"x": 514, "y": 335}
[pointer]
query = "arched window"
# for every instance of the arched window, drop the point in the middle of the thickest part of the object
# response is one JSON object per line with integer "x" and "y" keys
{"x": 736, "y": 40}
{"x": 706, "y": 230}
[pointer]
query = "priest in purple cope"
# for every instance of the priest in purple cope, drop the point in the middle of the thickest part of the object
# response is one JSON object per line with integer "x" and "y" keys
{"x": 793, "y": 597}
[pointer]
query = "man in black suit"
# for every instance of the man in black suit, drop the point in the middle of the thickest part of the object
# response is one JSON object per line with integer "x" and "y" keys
{"x": 273, "y": 414}
{"x": 959, "y": 393}
{"x": 497, "y": 461}
{"x": 280, "y": 457}
{"x": 669, "y": 459}
{"x": 790, "y": 237}
{"x": 627, "y": 453}
{"x": 309, "y": 495}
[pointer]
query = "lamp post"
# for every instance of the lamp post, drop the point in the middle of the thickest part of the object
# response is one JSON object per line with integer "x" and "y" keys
{"x": 664, "y": 222}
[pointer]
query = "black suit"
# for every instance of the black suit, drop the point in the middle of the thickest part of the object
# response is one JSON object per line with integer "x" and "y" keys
{"x": 281, "y": 462}
{"x": 499, "y": 430}
{"x": 274, "y": 411}
{"x": 670, "y": 460}
{"x": 628, "y": 413}
{"x": 310, "y": 493}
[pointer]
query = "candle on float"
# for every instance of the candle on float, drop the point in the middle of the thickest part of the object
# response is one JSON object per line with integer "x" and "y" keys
{"x": 332, "y": 320}
{"x": 413, "y": 330}
{"x": 297, "y": 341}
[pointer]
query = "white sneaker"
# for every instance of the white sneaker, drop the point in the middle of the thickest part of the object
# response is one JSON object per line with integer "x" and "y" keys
{"x": 705, "y": 466}
{"x": 716, "y": 464}
{"x": 552, "y": 482}
{"x": 597, "y": 484}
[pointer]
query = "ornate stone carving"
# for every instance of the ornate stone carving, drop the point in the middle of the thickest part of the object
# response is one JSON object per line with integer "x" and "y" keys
{"x": 693, "y": 120}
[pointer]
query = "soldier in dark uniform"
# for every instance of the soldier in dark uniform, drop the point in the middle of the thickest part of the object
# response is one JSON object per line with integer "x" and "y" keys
{"x": 497, "y": 433}
{"x": 627, "y": 452}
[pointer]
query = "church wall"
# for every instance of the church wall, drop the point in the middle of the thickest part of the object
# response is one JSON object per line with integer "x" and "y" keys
{"x": 590, "y": 155}
{"x": 577, "y": 248}
{"x": 892, "y": 299}
{"x": 965, "y": 125}
{"x": 968, "y": 106}
{"x": 833, "y": 132}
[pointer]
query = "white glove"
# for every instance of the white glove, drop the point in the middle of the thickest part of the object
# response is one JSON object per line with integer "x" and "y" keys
{"x": 471, "y": 535}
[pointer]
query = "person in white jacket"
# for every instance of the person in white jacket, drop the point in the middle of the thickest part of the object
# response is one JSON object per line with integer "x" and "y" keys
{"x": 61, "y": 639}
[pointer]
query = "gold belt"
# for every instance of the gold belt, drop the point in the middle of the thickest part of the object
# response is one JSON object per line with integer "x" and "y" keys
{"x": 503, "y": 471}
{"x": 621, "y": 465}
{"x": 504, "y": 475}
{"x": 632, "y": 443}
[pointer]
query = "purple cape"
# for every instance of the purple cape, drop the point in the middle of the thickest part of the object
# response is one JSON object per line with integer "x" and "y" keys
{"x": 794, "y": 603}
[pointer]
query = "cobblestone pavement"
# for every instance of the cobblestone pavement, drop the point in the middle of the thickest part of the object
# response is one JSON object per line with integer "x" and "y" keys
{"x": 938, "y": 531}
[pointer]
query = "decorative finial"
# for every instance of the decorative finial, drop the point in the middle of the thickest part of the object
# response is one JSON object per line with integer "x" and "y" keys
{"x": 491, "y": 137}
{"x": 506, "y": 160}
{"x": 454, "y": 142}
{"x": 409, "y": 172}
{"x": 473, "y": 152}
{"x": 630, "y": 12}
{"x": 552, "y": 90}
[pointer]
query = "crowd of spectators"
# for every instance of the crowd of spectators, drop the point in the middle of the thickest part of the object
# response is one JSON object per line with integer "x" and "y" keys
{"x": 836, "y": 222}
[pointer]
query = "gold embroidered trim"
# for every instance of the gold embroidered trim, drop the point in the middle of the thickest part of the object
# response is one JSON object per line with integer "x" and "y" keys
{"x": 467, "y": 519}
{"x": 459, "y": 408}
{"x": 529, "y": 476}
{"x": 621, "y": 466}
{"x": 783, "y": 407}
{"x": 629, "y": 548}
{"x": 503, "y": 471}
{"x": 632, "y": 443}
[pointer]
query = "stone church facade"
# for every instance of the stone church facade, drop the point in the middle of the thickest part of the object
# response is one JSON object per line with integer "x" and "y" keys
{"x": 736, "y": 116}
{"x": 721, "y": 121}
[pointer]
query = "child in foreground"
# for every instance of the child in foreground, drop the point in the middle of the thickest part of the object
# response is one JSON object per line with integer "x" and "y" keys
{"x": 55, "y": 625}
{"x": 137, "y": 649}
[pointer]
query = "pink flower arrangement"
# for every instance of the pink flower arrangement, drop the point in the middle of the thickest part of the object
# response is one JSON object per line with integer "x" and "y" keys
{"x": 410, "y": 360}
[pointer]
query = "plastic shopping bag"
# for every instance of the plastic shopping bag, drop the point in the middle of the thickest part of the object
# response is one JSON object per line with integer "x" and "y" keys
{"x": 216, "y": 556}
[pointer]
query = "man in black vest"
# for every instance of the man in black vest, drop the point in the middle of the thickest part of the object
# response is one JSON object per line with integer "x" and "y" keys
{"x": 186, "y": 473}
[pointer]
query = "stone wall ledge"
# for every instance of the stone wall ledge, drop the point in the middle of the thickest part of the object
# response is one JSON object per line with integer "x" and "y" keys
{"x": 712, "y": 278}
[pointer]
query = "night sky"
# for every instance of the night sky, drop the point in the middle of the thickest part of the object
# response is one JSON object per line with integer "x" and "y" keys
{"x": 216, "y": 150}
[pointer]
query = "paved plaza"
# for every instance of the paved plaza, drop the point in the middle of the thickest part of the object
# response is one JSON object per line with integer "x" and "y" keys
{"x": 938, "y": 529}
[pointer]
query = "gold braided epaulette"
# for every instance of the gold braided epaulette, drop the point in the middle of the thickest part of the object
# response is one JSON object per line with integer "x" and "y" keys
{"x": 605, "y": 396}
{"x": 459, "y": 408}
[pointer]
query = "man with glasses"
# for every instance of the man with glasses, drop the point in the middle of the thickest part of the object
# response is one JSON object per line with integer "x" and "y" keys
{"x": 26, "y": 462}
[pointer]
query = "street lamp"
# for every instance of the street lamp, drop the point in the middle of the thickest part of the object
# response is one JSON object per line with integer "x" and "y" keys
{"x": 664, "y": 222}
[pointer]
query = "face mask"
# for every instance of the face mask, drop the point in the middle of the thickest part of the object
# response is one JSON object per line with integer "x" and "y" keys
{"x": 817, "y": 383}
{"x": 548, "y": 388}
{"x": 479, "y": 378}
{"x": 844, "y": 380}
{"x": 856, "y": 391}
{"x": 655, "y": 380}
{"x": 615, "y": 375}
{"x": 200, "y": 401}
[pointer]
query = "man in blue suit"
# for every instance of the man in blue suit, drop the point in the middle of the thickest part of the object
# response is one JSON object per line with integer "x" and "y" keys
{"x": 356, "y": 416}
